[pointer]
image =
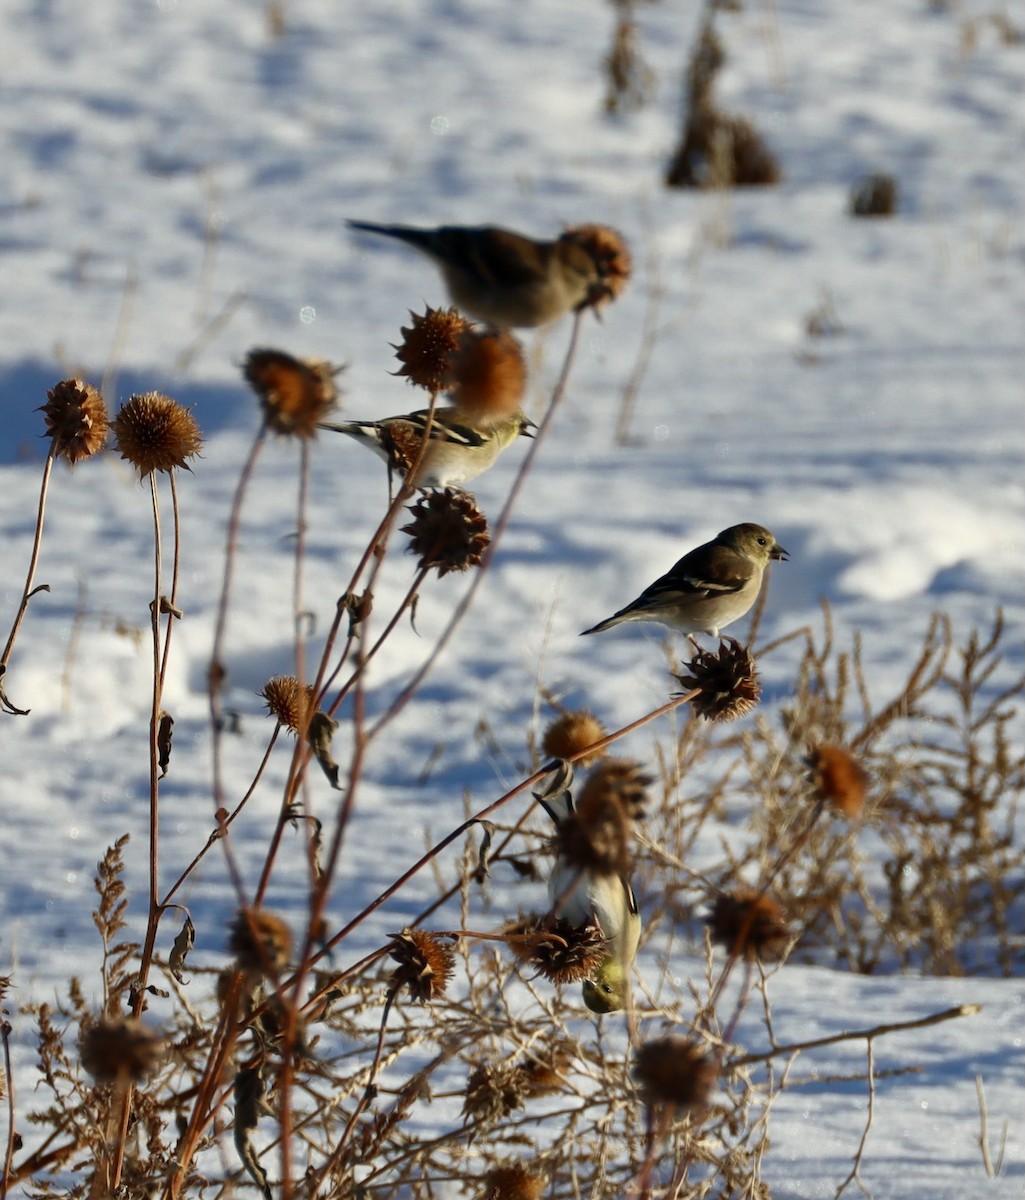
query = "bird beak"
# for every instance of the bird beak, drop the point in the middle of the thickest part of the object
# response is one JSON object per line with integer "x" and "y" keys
{"x": 779, "y": 553}
{"x": 527, "y": 427}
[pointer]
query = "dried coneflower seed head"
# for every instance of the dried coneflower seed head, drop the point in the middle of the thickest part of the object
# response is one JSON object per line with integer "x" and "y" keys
{"x": 118, "y": 1051}
{"x": 513, "y": 1181}
{"x": 76, "y": 420}
{"x": 545, "y": 1073}
{"x": 677, "y": 1072}
{"x": 448, "y": 531}
{"x": 260, "y": 941}
{"x": 425, "y": 964}
{"x": 289, "y": 701}
{"x": 295, "y": 394}
{"x": 491, "y": 1093}
{"x": 839, "y": 779}
{"x": 597, "y": 836}
{"x": 749, "y": 924}
{"x": 609, "y": 250}
{"x": 561, "y": 952}
{"x": 155, "y": 433}
{"x": 728, "y": 681}
{"x": 572, "y": 732}
{"x": 428, "y": 346}
{"x": 488, "y": 377}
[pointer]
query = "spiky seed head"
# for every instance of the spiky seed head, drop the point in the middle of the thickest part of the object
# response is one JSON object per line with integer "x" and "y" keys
{"x": 749, "y": 924}
{"x": 116, "y": 1051}
{"x": 728, "y": 681}
{"x": 425, "y": 964}
{"x": 488, "y": 376}
{"x": 429, "y": 345}
{"x": 839, "y": 779}
{"x": 295, "y": 394}
{"x": 598, "y": 835}
{"x": 492, "y": 1092}
{"x": 545, "y": 1072}
{"x": 514, "y": 1181}
{"x": 155, "y": 433}
{"x": 448, "y": 531}
{"x": 76, "y": 420}
{"x": 608, "y": 249}
{"x": 260, "y": 941}
{"x": 676, "y": 1072}
{"x": 289, "y": 701}
{"x": 561, "y": 952}
{"x": 572, "y": 732}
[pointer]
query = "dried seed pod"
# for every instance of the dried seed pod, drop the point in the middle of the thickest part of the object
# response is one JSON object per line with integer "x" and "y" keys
{"x": 513, "y": 1181}
{"x": 155, "y": 433}
{"x": 728, "y": 681}
{"x": 448, "y": 531}
{"x": 572, "y": 732}
{"x": 260, "y": 941}
{"x": 488, "y": 376}
{"x": 557, "y": 950}
{"x": 749, "y": 924}
{"x": 76, "y": 420}
{"x": 429, "y": 345}
{"x": 116, "y": 1051}
{"x": 676, "y": 1072}
{"x": 289, "y": 701}
{"x": 425, "y": 964}
{"x": 839, "y": 779}
{"x": 598, "y": 835}
{"x": 492, "y": 1092}
{"x": 295, "y": 394}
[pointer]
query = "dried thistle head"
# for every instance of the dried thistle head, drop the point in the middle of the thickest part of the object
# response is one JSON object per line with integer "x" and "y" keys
{"x": 749, "y": 924}
{"x": 76, "y": 420}
{"x": 295, "y": 394}
{"x": 429, "y": 345}
{"x": 572, "y": 732}
{"x": 155, "y": 433}
{"x": 544, "y": 1073}
{"x": 488, "y": 376}
{"x": 116, "y": 1051}
{"x": 839, "y": 779}
{"x": 676, "y": 1072}
{"x": 609, "y": 251}
{"x": 492, "y": 1092}
{"x": 514, "y": 1181}
{"x": 289, "y": 701}
{"x": 425, "y": 964}
{"x": 728, "y": 681}
{"x": 598, "y": 835}
{"x": 260, "y": 941}
{"x": 557, "y": 950}
{"x": 448, "y": 531}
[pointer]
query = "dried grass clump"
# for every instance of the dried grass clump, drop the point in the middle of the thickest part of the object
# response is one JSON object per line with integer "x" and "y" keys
{"x": 429, "y": 346}
{"x": 155, "y": 433}
{"x": 76, "y": 420}
{"x": 295, "y": 394}
{"x": 628, "y": 78}
{"x": 448, "y": 531}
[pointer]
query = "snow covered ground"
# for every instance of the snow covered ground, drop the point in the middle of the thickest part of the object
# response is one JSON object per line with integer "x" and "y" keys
{"x": 174, "y": 187}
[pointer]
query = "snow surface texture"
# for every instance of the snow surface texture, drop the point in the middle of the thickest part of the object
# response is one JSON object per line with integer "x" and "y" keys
{"x": 168, "y": 164}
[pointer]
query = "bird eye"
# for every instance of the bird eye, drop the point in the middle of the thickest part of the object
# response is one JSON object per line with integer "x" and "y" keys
{"x": 762, "y": 541}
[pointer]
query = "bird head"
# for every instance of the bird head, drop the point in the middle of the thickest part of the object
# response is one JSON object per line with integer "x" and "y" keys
{"x": 754, "y": 542}
{"x": 605, "y": 991}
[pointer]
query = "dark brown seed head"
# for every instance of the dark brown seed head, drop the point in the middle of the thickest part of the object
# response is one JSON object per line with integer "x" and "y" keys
{"x": 260, "y": 941}
{"x": 513, "y": 1181}
{"x": 572, "y": 732}
{"x": 749, "y": 924}
{"x": 118, "y": 1051}
{"x": 598, "y": 835}
{"x": 728, "y": 681}
{"x": 557, "y": 950}
{"x": 289, "y": 701}
{"x": 155, "y": 433}
{"x": 428, "y": 346}
{"x": 488, "y": 377}
{"x": 295, "y": 394}
{"x": 448, "y": 531}
{"x": 76, "y": 420}
{"x": 425, "y": 964}
{"x": 676, "y": 1072}
{"x": 839, "y": 779}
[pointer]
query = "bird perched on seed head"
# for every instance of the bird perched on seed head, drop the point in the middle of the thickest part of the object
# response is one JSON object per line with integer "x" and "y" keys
{"x": 459, "y": 447}
{"x": 510, "y": 280}
{"x": 584, "y": 898}
{"x": 709, "y": 587}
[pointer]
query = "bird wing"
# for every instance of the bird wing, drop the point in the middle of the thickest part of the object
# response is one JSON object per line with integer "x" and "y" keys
{"x": 444, "y": 428}
{"x": 501, "y": 259}
{"x": 706, "y": 572}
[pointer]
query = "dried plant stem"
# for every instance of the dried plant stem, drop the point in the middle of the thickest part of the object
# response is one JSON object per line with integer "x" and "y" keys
{"x": 175, "y": 573}
{"x": 216, "y": 673}
{"x": 299, "y": 559}
{"x": 29, "y": 590}
{"x": 498, "y": 529}
{"x": 5, "y": 1037}
{"x": 855, "y": 1172}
